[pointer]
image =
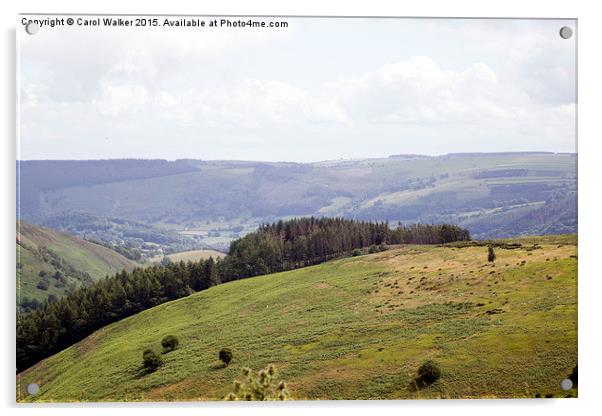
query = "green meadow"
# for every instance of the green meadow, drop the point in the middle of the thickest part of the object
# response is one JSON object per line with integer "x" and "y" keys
{"x": 353, "y": 328}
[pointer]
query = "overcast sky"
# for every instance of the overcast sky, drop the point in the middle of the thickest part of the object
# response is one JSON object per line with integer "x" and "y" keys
{"x": 319, "y": 89}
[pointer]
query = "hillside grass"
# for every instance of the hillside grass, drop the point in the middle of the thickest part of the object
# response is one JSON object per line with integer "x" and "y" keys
{"x": 28, "y": 276}
{"x": 354, "y": 328}
{"x": 83, "y": 256}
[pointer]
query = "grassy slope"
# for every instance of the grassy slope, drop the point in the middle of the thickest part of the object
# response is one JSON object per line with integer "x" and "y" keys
{"x": 355, "y": 328}
{"x": 82, "y": 255}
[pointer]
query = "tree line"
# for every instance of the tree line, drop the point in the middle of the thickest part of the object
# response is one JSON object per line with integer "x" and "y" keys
{"x": 301, "y": 242}
{"x": 284, "y": 245}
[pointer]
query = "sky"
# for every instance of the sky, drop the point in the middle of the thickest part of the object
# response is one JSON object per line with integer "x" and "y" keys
{"x": 320, "y": 89}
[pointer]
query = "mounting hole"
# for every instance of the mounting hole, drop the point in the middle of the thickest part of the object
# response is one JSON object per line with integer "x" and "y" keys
{"x": 32, "y": 28}
{"x": 566, "y": 384}
{"x": 566, "y": 32}
{"x": 33, "y": 388}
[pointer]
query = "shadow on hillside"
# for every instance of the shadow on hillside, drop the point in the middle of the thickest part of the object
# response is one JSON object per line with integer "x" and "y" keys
{"x": 419, "y": 384}
{"x": 140, "y": 372}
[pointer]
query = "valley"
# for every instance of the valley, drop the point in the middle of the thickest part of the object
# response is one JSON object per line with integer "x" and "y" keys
{"x": 196, "y": 204}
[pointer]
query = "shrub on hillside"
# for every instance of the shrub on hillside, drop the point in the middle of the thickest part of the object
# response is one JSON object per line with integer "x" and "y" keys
{"x": 428, "y": 373}
{"x": 225, "y": 354}
{"x": 490, "y": 254}
{"x": 356, "y": 253}
{"x": 377, "y": 249}
{"x": 151, "y": 360}
{"x": 259, "y": 386}
{"x": 170, "y": 343}
{"x": 42, "y": 285}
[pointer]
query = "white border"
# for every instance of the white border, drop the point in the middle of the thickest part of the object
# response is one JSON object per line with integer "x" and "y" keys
{"x": 590, "y": 68}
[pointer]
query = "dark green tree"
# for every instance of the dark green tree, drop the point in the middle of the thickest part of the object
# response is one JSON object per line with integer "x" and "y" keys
{"x": 490, "y": 254}
{"x": 169, "y": 343}
{"x": 428, "y": 373}
{"x": 210, "y": 272}
{"x": 225, "y": 355}
{"x": 151, "y": 361}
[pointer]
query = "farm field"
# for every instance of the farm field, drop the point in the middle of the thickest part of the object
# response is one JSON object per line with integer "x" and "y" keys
{"x": 195, "y": 255}
{"x": 353, "y": 328}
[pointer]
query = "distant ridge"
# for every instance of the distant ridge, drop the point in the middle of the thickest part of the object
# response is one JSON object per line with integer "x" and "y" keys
{"x": 221, "y": 196}
{"x": 501, "y": 153}
{"x": 410, "y": 156}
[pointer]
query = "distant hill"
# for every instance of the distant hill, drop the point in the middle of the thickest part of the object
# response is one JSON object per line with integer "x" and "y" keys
{"x": 135, "y": 240}
{"x": 523, "y": 193}
{"x": 353, "y": 328}
{"x": 50, "y": 262}
{"x": 36, "y": 177}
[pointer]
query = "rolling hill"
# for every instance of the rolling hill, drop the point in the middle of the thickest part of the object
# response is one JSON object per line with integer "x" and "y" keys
{"x": 353, "y": 328}
{"x": 50, "y": 262}
{"x": 493, "y": 194}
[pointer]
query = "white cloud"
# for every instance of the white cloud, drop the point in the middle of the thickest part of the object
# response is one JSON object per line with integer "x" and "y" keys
{"x": 122, "y": 99}
{"x": 244, "y": 104}
{"x": 418, "y": 90}
{"x": 473, "y": 86}
{"x": 253, "y": 103}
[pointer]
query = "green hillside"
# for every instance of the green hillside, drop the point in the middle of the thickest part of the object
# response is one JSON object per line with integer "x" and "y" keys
{"x": 355, "y": 328}
{"x": 42, "y": 253}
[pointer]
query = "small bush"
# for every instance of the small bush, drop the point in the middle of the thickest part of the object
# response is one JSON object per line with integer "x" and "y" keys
{"x": 42, "y": 285}
{"x": 170, "y": 343}
{"x": 151, "y": 360}
{"x": 225, "y": 354}
{"x": 356, "y": 253}
{"x": 490, "y": 254}
{"x": 373, "y": 249}
{"x": 428, "y": 373}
